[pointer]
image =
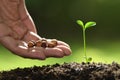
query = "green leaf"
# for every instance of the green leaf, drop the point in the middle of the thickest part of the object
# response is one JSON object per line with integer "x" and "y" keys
{"x": 79, "y": 22}
{"x": 90, "y": 24}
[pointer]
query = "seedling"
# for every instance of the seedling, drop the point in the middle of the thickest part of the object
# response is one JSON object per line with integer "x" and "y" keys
{"x": 84, "y": 27}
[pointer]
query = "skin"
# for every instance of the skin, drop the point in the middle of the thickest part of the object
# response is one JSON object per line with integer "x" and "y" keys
{"x": 17, "y": 28}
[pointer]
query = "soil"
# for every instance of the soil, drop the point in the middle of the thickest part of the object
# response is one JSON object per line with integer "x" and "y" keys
{"x": 66, "y": 71}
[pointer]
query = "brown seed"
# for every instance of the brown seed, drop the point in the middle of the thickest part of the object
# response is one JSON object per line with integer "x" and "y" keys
{"x": 31, "y": 44}
{"x": 38, "y": 43}
{"x": 44, "y": 44}
{"x": 54, "y": 42}
{"x": 51, "y": 45}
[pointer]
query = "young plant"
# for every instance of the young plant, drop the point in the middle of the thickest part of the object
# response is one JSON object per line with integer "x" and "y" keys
{"x": 84, "y": 27}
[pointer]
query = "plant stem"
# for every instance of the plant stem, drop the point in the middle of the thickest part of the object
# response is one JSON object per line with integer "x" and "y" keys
{"x": 84, "y": 39}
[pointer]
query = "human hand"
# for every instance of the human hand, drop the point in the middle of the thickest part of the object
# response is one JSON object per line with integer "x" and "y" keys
{"x": 17, "y": 30}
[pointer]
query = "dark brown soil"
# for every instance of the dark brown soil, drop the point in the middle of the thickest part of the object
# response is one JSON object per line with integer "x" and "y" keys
{"x": 66, "y": 71}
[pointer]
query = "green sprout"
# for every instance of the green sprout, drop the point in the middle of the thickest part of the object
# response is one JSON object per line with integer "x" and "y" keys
{"x": 84, "y": 27}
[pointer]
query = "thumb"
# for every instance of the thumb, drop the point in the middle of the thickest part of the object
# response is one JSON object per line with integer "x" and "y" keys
{"x": 31, "y": 36}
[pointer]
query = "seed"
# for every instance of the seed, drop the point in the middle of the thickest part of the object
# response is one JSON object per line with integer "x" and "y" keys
{"x": 38, "y": 43}
{"x": 51, "y": 45}
{"x": 44, "y": 44}
{"x": 54, "y": 42}
{"x": 31, "y": 44}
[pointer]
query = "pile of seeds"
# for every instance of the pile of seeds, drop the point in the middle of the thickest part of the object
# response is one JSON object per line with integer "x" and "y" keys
{"x": 66, "y": 71}
{"x": 42, "y": 43}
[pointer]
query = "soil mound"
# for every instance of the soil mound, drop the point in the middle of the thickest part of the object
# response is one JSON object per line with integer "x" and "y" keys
{"x": 66, "y": 71}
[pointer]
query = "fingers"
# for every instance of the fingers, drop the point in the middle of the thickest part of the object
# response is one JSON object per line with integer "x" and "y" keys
{"x": 57, "y": 52}
{"x": 65, "y": 47}
{"x": 53, "y": 52}
{"x": 63, "y": 43}
{"x": 60, "y": 50}
{"x": 66, "y": 50}
{"x": 20, "y": 48}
